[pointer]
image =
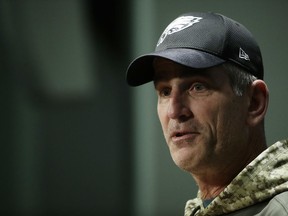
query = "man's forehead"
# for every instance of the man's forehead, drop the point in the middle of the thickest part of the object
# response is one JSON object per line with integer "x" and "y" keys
{"x": 165, "y": 69}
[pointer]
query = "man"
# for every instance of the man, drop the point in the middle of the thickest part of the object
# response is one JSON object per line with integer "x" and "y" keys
{"x": 208, "y": 74}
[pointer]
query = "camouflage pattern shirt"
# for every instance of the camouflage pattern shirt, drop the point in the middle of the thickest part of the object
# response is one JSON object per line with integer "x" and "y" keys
{"x": 258, "y": 187}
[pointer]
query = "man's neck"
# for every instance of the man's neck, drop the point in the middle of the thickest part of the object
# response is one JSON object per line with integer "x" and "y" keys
{"x": 210, "y": 192}
{"x": 210, "y": 187}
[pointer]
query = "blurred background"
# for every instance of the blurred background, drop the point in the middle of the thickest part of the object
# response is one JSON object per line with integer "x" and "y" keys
{"x": 75, "y": 139}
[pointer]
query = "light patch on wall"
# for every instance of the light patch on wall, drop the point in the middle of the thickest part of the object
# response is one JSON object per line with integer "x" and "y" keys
{"x": 60, "y": 45}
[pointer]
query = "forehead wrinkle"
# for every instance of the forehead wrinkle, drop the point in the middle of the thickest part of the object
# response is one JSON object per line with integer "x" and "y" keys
{"x": 166, "y": 75}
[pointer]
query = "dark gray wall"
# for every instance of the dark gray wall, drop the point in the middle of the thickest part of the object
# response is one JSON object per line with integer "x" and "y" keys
{"x": 65, "y": 108}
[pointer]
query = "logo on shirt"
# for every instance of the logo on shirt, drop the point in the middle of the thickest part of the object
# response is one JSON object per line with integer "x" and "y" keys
{"x": 177, "y": 25}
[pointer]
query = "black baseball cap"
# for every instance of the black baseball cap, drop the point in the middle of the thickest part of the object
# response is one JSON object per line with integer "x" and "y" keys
{"x": 200, "y": 40}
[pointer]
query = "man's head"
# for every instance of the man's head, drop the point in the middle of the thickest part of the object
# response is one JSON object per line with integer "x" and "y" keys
{"x": 207, "y": 71}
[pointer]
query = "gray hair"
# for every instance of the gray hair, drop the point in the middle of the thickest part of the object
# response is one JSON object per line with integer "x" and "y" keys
{"x": 240, "y": 79}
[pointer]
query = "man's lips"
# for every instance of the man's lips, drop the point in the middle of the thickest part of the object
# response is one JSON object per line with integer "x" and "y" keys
{"x": 183, "y": 135}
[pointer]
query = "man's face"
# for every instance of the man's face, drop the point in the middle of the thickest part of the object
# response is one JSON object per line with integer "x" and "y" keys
{"x": 203, "y": 121}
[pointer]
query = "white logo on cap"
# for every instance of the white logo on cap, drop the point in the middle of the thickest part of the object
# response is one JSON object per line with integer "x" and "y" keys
{"x": 243, "y": 55}
{"x": 177, "y": 25}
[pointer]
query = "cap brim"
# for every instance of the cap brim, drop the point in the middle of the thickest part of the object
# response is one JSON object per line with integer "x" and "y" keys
{"x": 141, "y": 71}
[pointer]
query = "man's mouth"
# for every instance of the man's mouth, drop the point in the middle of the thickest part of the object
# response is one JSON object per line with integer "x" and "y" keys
{"x": 182, "y": 134}
{"x": 179, "y": 134}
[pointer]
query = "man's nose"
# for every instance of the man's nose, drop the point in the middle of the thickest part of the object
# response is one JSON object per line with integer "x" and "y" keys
{"x": 179, "y": 107}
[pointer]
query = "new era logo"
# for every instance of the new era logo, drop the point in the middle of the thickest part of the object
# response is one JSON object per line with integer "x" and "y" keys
{"x": 243, "y": 55}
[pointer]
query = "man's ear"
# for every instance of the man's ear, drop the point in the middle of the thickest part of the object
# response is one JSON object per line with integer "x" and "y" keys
{"x": 259, "y": 98}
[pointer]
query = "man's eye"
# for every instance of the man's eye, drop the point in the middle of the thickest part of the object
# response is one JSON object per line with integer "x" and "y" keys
{"x": 197, "y": 87}
{"x": 164, "y": 92}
